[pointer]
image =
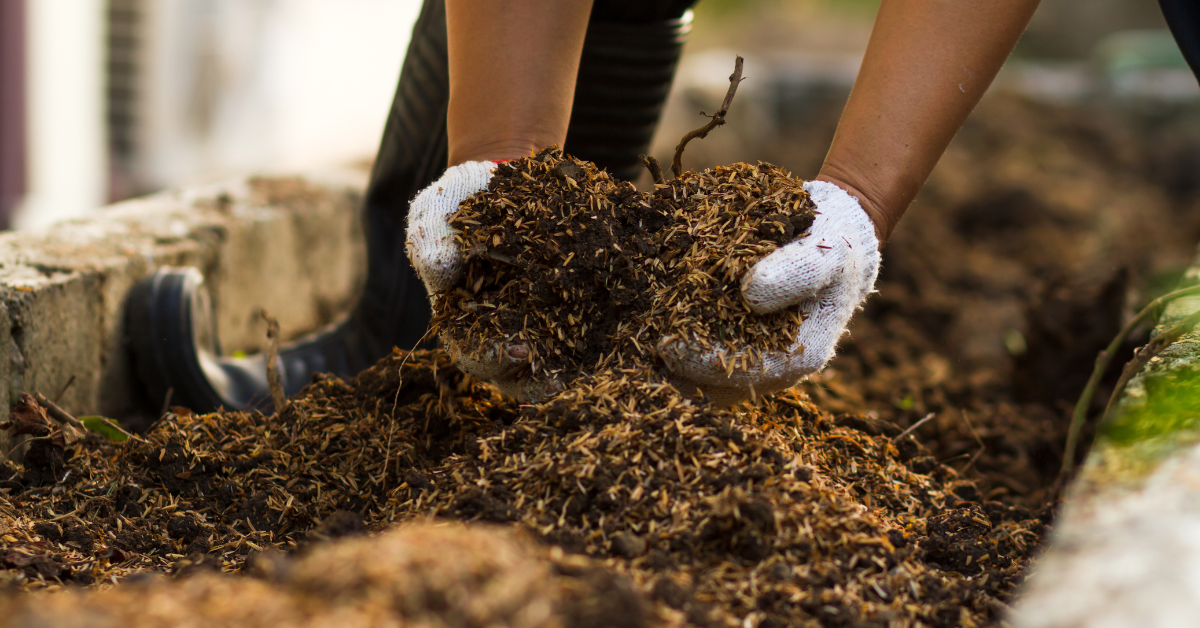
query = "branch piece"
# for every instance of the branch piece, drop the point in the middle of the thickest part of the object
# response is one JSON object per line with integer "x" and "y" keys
{"x": 1146, "y": 353}
{"x": 912, "y": 428}
{"x": 274, "y": 381}
{"x": 655, "y": 169}
{"x": 73, "y": 430}
{"x": 63, "y": 390}
{"x": 57, "y": 413}
{"x": 716, "y": 120}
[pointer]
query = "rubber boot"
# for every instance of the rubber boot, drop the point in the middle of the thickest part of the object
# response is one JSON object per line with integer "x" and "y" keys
{"x": 625, "y": 74}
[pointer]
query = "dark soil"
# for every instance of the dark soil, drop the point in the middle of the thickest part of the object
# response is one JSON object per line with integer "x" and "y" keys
{"x": 809, "y": 508}
{"x": 777, "y": 511}
{"x": 588, "y": 273}
{"x": 1041, "y": 231}
{"x": 418, "y": 575}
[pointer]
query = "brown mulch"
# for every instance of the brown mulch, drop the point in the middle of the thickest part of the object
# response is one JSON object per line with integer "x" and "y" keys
{"x": 809, "y": 508}
{"x": 420, "y": 575}
{"x": 778, "y": 512}
{"x": 588, "y": 273}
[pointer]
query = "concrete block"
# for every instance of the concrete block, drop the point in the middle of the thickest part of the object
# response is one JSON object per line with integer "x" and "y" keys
{"x": 1123, "y": 554}
{"x": 290, "y": 245}
{"x": 1125, "y": 550}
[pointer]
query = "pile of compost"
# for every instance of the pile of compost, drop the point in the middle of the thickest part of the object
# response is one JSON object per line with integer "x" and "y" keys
{"x": 777, "y": 512}
{"x": 422, "y": 575}
{"x": 588, "y": 273}
{"x": 635, "y": 505}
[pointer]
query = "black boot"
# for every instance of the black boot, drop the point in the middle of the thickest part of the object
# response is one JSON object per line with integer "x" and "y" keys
{"x": 625, "y": 73}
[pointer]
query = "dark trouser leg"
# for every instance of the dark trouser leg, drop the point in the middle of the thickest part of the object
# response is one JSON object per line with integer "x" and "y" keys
{"x": 629, "y": 58}
{"x": 394, "y": 310}
{"x": 1183, "y": 16}
{"x": 628, "y": 61}
{"x": 168, "y": 315}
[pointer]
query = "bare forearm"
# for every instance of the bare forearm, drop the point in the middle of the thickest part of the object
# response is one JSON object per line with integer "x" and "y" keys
{"x": 512, "y": 74}
{"x": 926, "y": 66}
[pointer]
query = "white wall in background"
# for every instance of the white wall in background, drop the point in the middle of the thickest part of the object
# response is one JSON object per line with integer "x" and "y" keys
{"x": 223, "y": 87}
{"x": 67, "y": 165}
{"x": 234, "y": 86}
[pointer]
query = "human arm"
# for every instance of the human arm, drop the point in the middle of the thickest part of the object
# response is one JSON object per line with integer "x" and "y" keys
{"x": 512, "y": 69}
{"x": 512, "y": 75}
{"x": 926, "y": 66}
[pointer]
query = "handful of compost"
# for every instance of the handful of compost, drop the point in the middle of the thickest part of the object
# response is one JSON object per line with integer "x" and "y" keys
{"x": 737, "y": 280}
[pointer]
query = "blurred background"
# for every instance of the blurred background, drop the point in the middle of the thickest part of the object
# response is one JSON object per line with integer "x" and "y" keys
{"x": 105, "y": 99}
{"x": 101, "y": 100}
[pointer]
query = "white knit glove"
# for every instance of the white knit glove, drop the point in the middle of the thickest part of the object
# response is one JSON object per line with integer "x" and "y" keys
{"x": 431, "y": 246}
{"x": 439, "y": 263}
{"x": 827, "y": 274}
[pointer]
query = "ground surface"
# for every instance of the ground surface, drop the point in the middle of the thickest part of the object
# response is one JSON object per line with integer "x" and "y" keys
{"x": 635, "y": 506}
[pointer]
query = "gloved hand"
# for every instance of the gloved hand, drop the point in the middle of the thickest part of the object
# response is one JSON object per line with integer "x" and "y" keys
{"x": 436, "y": 258}
{"x": 439, "y": 263}
{"x": 827, "y": 275}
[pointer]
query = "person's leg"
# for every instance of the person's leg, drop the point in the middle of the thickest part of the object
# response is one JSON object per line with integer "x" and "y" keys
{"x": 628, "y": 62}
{"x": 394, "y": 309}
{"x": 167, "y": 313}
{"x": 1183, "y": 16}
{"x": 629, "y": 59}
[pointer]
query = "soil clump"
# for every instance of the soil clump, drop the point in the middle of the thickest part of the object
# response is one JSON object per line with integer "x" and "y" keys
{"x": 589, "y": 274}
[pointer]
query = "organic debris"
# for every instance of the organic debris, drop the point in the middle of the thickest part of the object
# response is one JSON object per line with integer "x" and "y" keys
{"x": 775, "y": 515}
{"x": 422, "y": 575}
{"x": 1007, "y": 278}
{"x": 777, "y": 511}
{"x": 590, "y": 274}
{"x": 211, "y": 489}
{"x": 986, "y": 252}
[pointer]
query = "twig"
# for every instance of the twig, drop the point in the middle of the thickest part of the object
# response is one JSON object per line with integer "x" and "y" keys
{"x": 1146, "y": 353}
{"x": 166, "y": 406}
{"x": 113, "y": 425}
{"x": 62, "y": 416}
{"x": 979, "y": 440}
{"x": 953, "y": 458}
{"x": 22, "y": 443}
{"x": 400, "y": 369}
{"x": 1079, "y": 416}
{"x": 912, "y": 428}
{"x": 395, "y": 402}
{"x": 387, "y": 452}
{"x": 716, "y": 120}
{"x": 274, "y": 381}
{"x": 77, "y": 509}
{"x": 62, "y": 391}
{"x": 655, "y": 169}
{"x": 57, "y": 413}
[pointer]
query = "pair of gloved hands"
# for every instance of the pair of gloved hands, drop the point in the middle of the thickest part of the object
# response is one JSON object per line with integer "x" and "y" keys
{"x": 827, "y": 275}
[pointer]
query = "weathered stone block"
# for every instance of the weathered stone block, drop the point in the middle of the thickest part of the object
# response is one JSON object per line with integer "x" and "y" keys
{"x": 292, "y": 246}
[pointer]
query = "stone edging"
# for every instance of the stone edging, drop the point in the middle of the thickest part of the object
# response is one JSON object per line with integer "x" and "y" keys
{"x": 1125, "y": 550}
{"x": 291, "y": 245}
